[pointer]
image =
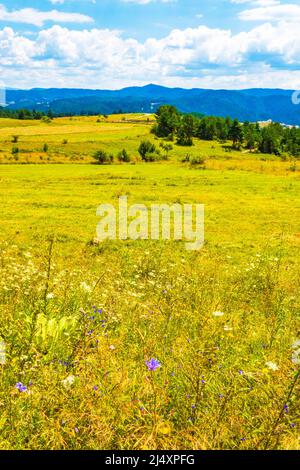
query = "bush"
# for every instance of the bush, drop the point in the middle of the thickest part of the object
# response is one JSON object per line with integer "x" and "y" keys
{"x": 186, "y": 158}
{"x": 152, "y": 157}
{"x": 45, "y": 148}
{"x": 15, "y": 139}
{"x": 65, "y": 141}
{"x": 103, "y": 157}
{"x": 46, "y": 120}
{"x": 197, "y": 161}
{"x": 146, "y": 147}
{"x": 124, "y": 156}
{"x": 15, "y": 150}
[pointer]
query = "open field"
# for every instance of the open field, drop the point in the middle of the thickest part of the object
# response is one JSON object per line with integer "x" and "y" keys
{"x": 76, "y": 139}
{"x": 80, "y": 320}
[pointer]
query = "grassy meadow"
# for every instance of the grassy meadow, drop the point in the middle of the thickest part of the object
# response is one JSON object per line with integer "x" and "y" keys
{"x": 79, "y": 320}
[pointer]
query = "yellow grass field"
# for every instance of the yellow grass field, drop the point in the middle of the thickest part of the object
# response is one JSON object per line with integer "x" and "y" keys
{"x": 80, "y": 320}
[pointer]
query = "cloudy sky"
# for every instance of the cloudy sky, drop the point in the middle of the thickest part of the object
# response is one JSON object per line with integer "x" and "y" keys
{"x": 115, "y": 43}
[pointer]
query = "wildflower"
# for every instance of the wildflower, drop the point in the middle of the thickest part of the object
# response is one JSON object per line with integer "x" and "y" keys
{"x": 218, "y": 314}
{"x": 21, "y": 387}
{"x": 76, "y": 430}
{"x": 227, "y": 328}
{"x": 95, "y": 388}
{"x": 50, "y": 296}
{"x": 112, "y": 347}
{"x": 296, "y": 352}
{"x": 241, "y": 372}
{"x": 69, "y": 381}
{"x": 86, "y": 287}
{"x": 272, "y": 366}
{"x": 153, "y": 364}
{"x": 286, "y": 409}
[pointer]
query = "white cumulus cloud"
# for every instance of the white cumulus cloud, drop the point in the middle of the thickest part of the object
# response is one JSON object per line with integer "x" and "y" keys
{"x": 38, "y": 18}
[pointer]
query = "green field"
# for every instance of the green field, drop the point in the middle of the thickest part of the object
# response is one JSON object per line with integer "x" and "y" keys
{"x": 79, "y": 319}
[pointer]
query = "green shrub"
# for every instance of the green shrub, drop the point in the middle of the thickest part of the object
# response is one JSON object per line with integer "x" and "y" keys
{"x": 152, "y": 157}
{"x": 186, "y": 158}
{"x": 146, "y": 147}
{"x": 124, "y": 156}
{"x": 197, "y": 161}
{"x": 103, "y": 157}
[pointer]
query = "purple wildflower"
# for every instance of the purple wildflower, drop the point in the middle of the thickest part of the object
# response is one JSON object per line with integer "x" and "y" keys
{"x": 95, "y": 388}
{"x": 286, "y": 409}
{"x": 76, "y": 430}
{"x": 153, "y": 364}
{"x": 21, "y": 387}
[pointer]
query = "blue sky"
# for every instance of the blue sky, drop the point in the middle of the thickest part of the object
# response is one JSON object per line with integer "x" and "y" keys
{"x": 114, "y": 43}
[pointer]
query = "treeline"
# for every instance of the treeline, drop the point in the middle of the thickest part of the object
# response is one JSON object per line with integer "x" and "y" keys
{"x": 24, "y": 114}
{"x": 273, "y": 138}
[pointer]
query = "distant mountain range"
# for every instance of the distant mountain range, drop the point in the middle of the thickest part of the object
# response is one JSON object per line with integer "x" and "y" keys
{"x": 254, "y": 104}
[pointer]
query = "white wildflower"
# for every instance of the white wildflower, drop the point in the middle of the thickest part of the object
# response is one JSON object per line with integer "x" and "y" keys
{"x": 69, "y": 381}
{"x": 272, "y": 366}
{"x": 218, "y": 314}
{"x": 50, "y": 296}
{"x": 227, "y": 328}
{"x": 296, "y": 352}
{"x": 85, "y": 287}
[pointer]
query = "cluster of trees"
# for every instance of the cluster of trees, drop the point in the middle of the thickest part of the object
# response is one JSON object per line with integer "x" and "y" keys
{"x": 273, "y": 138}
{"x": 104, "y": 158}
{"x": 24, "y": 114}
{"x": 148, "y": 151}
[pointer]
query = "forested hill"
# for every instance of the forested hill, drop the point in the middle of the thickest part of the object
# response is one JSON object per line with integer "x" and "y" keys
{"x": 253, "y": 104}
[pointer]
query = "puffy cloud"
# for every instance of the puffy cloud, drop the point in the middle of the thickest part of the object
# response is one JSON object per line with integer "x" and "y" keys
{"x": 274, "y": 12}
{"x": 38, "y": 18}
{"x": 267, "y": 55}
{"x": 268, "y": 10}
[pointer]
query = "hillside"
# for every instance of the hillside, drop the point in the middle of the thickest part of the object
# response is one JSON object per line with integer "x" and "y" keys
{"x": 253, "y": 104}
